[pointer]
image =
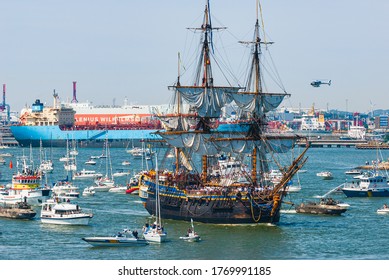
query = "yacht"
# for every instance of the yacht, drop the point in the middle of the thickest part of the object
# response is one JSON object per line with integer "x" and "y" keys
{"x": 86, "y": 174}
{"x": 63, "y": 213}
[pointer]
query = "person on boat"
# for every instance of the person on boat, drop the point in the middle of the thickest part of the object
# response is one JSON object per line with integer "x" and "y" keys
{"x": 135, "y": 234}
{"x": 385, "y": 206}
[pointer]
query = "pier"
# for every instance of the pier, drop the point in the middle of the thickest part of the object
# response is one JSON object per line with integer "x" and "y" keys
{"x": 331, "y": 143}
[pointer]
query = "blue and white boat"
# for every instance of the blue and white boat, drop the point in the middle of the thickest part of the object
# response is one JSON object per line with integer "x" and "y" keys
{"x": 369, "y": 185}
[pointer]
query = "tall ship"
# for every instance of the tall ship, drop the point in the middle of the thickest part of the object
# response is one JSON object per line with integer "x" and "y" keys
{"x": 85, "y": 124}
{"x": 220, "y": 177}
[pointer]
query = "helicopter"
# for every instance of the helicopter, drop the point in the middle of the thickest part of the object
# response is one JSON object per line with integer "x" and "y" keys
{"x": 318, "y": 83}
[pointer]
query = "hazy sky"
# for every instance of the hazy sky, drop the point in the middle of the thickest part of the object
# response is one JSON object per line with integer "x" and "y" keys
{"x": 124, "y": 48}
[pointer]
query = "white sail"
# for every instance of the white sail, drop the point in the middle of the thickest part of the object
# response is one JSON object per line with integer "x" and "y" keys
{"x": 251, "y": 102}
{"x": 208, "y": 101}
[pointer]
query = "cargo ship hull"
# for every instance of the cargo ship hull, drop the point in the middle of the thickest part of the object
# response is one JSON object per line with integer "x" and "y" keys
{"x": 53, "y": 136}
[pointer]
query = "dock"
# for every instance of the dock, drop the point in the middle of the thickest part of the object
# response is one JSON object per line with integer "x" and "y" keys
{"x": 332, "y": 143}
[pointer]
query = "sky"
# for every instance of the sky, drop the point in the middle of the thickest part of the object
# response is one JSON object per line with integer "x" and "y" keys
{"x": 117, "y": 49}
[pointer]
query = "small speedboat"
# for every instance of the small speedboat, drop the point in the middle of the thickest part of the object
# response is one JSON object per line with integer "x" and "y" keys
{"x": 126, "y": 238}
{"x": 126, "y": 162}
{"x": 89, "y": 191}
{"x": 326, "y": 175}
{"x": 118, "y": 189}
{"x": 90, "y": 162}
{"x": 353, "y": 172}
{"x": 383, "y": 210}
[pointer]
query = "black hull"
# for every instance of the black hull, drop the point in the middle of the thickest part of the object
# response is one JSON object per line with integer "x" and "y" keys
{"x": 214, "y": 212}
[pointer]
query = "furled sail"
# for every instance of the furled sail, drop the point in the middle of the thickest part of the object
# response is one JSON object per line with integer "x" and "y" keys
{"x": 212, "y": 144}
{"x": 208, "y": 101}
{"x": 184, "y": 160}
{"x": 251, "y": 102}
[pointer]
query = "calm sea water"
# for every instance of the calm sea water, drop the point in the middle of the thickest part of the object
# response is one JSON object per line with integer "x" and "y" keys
{"x": 360, "y": 233}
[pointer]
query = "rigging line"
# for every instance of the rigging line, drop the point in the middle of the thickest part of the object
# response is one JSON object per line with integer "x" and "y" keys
{"x": 276, "y": 72}
{"x": 218, "y": 65}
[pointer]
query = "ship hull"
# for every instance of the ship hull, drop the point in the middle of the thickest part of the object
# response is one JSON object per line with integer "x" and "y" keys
{"x": 53, "y": 136}
{"x": 174, "y": 204}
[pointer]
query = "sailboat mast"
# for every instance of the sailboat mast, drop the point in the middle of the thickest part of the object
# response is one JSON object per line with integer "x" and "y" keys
{"x": 207, "y": 28}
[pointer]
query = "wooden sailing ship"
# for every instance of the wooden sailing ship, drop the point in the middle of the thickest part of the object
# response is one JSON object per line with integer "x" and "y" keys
{"x": 224, "y": 190}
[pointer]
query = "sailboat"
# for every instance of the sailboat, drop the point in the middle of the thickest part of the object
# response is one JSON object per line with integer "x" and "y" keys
{"x": 241, "y": 195}
{"x": 191, "y": 234}
{"x": 105, "y": 183}
{"x": 155, "y": 232}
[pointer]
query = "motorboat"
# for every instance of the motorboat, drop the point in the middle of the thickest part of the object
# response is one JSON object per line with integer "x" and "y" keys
{"x": 327, "y": 206}
{"x": 191, "y": 234}
{"x": 118, "y": 189}
{"x": 126, "y": 162}
{"x": 370, "y": 184}
{"x": 46, "y": 166}
{"x": 105, "y": 181}
{"x": 67, "y": 196}
{"x": 121, "y": 172}
{"x": 293, "y": 188}
{"x": 126, "y": 238}
{"x": 62, "y": 187}
{"x": 384, "y": 209}
{"x": 132, "y": 190}
{"x": 18, "y": 210}
{"x": 26, "y": 183}
{"x": 326, "y": 175}
{"x": 86, "y": 174}
{"x": 90, "y": 162}
{"x": 89, "y": 191}
{"x": 353, "y": 172}
{"x": 64, "y": 213}
{"x": 102, "y": 187}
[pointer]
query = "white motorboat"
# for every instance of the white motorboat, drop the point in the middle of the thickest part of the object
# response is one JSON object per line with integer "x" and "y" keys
{"x": 121, "y": 172}
{"x": 63, "y": 213}
{"x": 126, "y": 238}
{"x": 102, "y": 187}
{"x": 384, "y": 209}
{"x": 126, "y": 162}
{"x": 118, "y": 189}
{"x": 90, "y": 162}
{"x": 89, "y": 191}
{"x": 191, "y": 234}
{"x": 46, "y": 166}
{"x": 62, "y": 187}
{"x": 67, "y": 196}
{"x": 293, "y": 188}
{"x": 86, "y": 174}
{"x": 105, "y": 181}
{"x": 353, "y": 172}
{"x": 326, "y": 175}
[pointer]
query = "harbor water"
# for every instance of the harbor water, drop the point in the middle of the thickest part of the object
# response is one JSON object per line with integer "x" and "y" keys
{"x": 358, "y": 234}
